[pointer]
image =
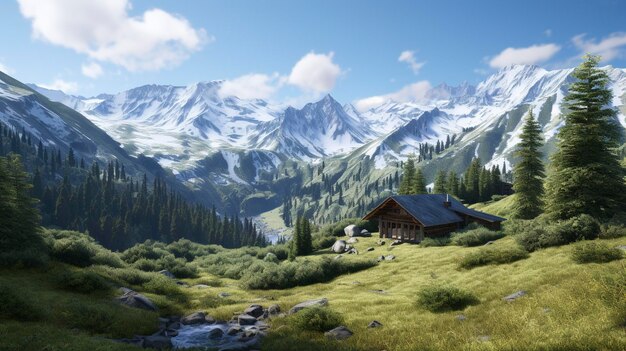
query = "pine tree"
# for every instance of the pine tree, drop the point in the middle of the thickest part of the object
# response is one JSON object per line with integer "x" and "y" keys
{"x": 419, "y": 183}
{"x": 528, "y": 172}
{"x": 407, "y": 185}
{"x": 452, "y": 186}
{"x": 586, "y": 176}
{"x": 440, "y": 186}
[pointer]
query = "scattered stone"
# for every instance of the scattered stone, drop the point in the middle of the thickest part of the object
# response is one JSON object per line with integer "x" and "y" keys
{"x": 157, "y": 342}
{"x": 181, "y": 283}
{"x": 515, "y": 296}
{"x": 245, "y": 319}
{"x": 378, "y": 291}
{"x": 216, "y": 333}
{"x": 390, "y": 258}
{"x": 167, "y": 274}
{"x": 195, "y": 318}
{"x": 489, "y": 243}
{"x": 353, "y": 240}
{"x": 255, "y": 311}
{"x": 380, "y": 258}
{"x": 395, "y": 243}
{"x": 374, "y": 324}
{"x": 339, "y": 246}
{"x": 310, "y": 303}
{"x": 381, "y": 242}
{"x": 135, "y": 299}
{"x": 483, "y": 338}
{"x": 366, "y": 233}
{"x": 339, "y": 333}
{"x": 223, "y": 295}
{"x": 273, "y": 310}
{"x": 201, "y": 286}
{"x": 352, "y": 230}
{"x": 352, "y": 251}
{"x": 369, "y": 249}
{"x": 460, "y": 317}
{"x": 234, "y": 330}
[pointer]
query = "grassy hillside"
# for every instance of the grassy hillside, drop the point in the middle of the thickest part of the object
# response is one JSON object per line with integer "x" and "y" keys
{"x": 502, "y": 207}
{"x": 568, "y": 306}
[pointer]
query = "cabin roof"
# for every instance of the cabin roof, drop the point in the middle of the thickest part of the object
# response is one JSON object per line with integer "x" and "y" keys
{"x": 429, "y": 209}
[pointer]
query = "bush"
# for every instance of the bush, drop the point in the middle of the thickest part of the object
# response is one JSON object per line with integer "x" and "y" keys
{"x": 270, "y": 257}
{"x": 320, "y": 319}
{"x": 596, "y": 252}
{"x": 438, "y": 241}
{"x": 27, "y": 258}
{"x": 163, "y": 286}
{"x": 125, "y": 276}
{"x": 107, "y": 258}
{"x": 16, "y": 304}
{"x": 476, "y": 237}
{"x": 75, "y": 251}
{"x": 612, "y": 231}
{"x": 541, "y": 234}
{"x": 82, "y": 281}
{"x": 149, "y": 249}
{"x": 492, "y": 256}
{"x": 441, "y": 299}
{"x": 189, "y": 250}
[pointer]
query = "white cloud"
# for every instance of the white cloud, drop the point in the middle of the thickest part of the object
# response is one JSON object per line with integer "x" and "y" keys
{"x": 60, "y": 84}
{"x": 412, "y": 92}
{"x": 104, "y": 31}
{"x": 251, "y": 86}
{"x": 408, "y": 56}
{"x": 609, "y": 48}
{"x": 524, "y": 56}
{"x": 315, "y": 73}
{"x": 92, "y": 70}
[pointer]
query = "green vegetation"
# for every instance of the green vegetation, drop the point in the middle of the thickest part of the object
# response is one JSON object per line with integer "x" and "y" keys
{"x": 437, "y": 241}
{"x": 586, "y": 176}
{"x": 82, "y": 281}
{"x": 529, "y": 171}
{"x": 596, "y": 252}
{"x": 489, "y": 256}
{"x": 445, "y": 298}
{"x": 475, "y": 236}
{"x": 301, "y": 243}
{"x": 542, "y": 233}
{"x": 319, "y": 319}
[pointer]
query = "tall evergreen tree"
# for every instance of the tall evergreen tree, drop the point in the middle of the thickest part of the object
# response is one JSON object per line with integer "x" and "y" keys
{"x": 407, "y": 185}
{"x": 419, "y": 183}
{"x": 528, "y": 172}
{"x": 586, "y": 176}
{"x": 440, "y": 186}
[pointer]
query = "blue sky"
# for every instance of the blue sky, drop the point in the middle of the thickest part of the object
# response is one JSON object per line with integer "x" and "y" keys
{"x": 294, "y": 51}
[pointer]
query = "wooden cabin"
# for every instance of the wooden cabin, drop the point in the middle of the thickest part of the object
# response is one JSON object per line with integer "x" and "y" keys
{"x": 413, "y": 217}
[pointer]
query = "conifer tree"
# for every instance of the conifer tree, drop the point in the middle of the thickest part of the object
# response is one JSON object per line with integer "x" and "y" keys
{"x": 440, "y": 183}
{"x": 407, "y": 185}
{"x": 419, "y": 183}
{"x": 528, "y": 172}
{"x": 586, "y": 176}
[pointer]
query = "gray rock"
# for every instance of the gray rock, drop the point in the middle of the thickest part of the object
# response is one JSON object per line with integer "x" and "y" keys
{"x": 353, "y": 240}
{"x": 395, "y": 243}
{"x": 273, "y": 310}
{"x": 374, "y": 324}
{"x": 309, "y": 303}
{"x": 490, "y": 242}
{"x": 339, "y": 333}
{"x": 352, "y": 230}
{"x": 514, "y": 296}
{"x": 223, "y": 295}
{"x": 255, "y": 311}
{"x": 390, "y": 258}
{"x": 245, "y": 319}
{"x": 484, "y": 338}
{"x": 460, "y": 317}
{"x": 339, "y": 246}
{"x": 200, "y": 286}
{"x": 353, "y": 251}
{"x": 234, "y": 330}
{"x": 365, "y": 233}
{"x": 369, "y": 249}
{"x": 167, "y": 274}
{"x": 380, "y": 258}
{"x": 136, "y": 300}
{"x": 197, "y": 318}
{"x": 216, "y": 333}
{"x": 381, "y": 242}
{"x": 157, "y": 342}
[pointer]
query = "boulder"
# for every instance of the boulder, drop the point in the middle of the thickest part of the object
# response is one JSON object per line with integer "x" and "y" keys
{"x": 157, "y": 342}
{"x": 339, "y": 246}
{"x": 369, "y": 249}
{"x": 514, "y": 296}
{"x": 255, "y": 311}
{"x": 223, "y": 295}
{"x": 352, "y": 230}
{"x": 365, "y": 233}
{"x": 309, "y": 303}
{"x": 136, "y": 300}
{"x": 273, "y": 310}
{"x": 234, "y": 330}
{"x": 339, "y": 333}
{"x": 374, "y": 324}
{"x": 216, "y": 333}
{"x": 353, "y": 251}
{"x": 194, "y": 318}
{"x": 245, "y": 319}
{"x": 167, "y": 274}
{"x": 352, "y": 240}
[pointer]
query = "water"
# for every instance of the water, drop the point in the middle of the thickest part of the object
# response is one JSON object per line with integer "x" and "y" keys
{"x": 198, "y": 336}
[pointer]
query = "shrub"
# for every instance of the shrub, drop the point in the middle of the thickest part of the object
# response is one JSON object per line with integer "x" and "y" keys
{"x": 107, "y": 258}
{"x": 82, "y": 281}
{"x": 270, "y": 257}
{"x": 16, "y": 304}
{"x": 125, "y": 276}
{"x": 162, "y": 285}
{"x": 27, "y": 258}
{"x": 317, "y": 318}
{"x": 146, "y": 265}
{"x": 438, "y": 241}
{"x": 541, "y": 234}
{"x": 492, "y": 256}
{"x": 75, "y": 251}
{"x": 189, "y": 250}
{"x": 596, "y": 252}
{"x": 441, "y": 299}
{"x": 612, "y": 231}
{"x": 476, "y": 237}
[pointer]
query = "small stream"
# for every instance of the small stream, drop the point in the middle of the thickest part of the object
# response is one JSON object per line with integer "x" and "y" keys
{"x": 206, "y": 336}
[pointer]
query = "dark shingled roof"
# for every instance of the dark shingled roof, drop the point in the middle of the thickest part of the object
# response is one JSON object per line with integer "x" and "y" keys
{"x": 429, "y": 209}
